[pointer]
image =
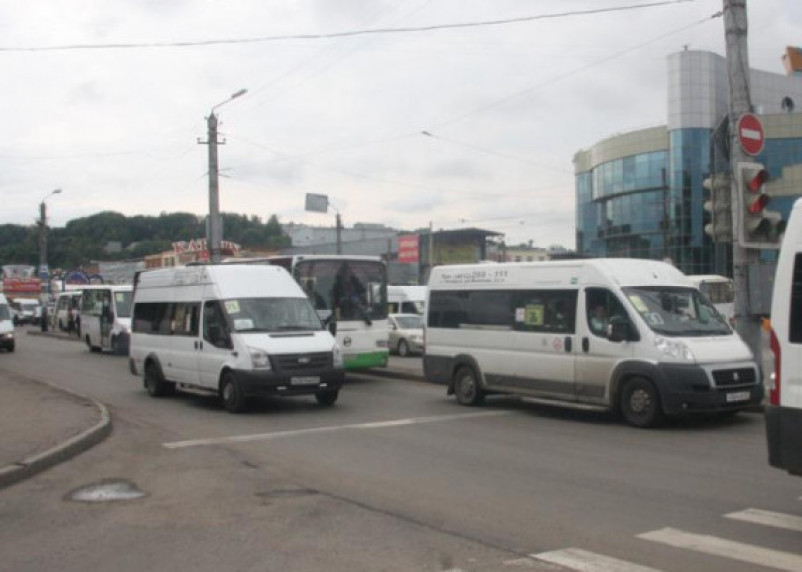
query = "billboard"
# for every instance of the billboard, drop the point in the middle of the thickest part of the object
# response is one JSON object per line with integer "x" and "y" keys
{"x": 409, "y": 248}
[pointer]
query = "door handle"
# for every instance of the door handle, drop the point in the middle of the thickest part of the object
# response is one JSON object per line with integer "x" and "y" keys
{"x": 568, "y": 344}
{"x": 198, "y": 345}
{"x": 585, "y": 344}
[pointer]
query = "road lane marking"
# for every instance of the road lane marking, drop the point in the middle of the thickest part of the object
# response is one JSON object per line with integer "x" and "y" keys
{"x": 726, "y": 549}
{"x": 584, "y": 561}
{"x": 768, "y": 518}
{"x": 329, "y": 429}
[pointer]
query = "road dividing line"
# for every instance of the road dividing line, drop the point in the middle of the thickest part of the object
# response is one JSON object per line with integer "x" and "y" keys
{"x": 727, "y": 549}
{"x": 768, "y": 518}
{"x": 584, "y": 561}
{"x": 313, "y": 430}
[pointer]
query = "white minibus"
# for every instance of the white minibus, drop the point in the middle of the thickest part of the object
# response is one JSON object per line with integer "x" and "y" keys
{"x": 784, "y": 409}
{"x": 627, "y": 335}
{"x": 406, "y": 299}
{"x": 235, "y": 331}
{"x": 720, "y": 290}
{"x": 106, "y": 317}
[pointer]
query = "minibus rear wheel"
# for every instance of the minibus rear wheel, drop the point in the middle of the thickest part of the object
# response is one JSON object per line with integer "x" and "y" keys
{"x": 466, "y": 387}
{"x": 155, "y": 383}
{"x": 640, "y": 403}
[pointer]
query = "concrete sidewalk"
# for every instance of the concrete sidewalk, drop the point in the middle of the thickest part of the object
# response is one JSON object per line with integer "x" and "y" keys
{"x": 42, "y": 425}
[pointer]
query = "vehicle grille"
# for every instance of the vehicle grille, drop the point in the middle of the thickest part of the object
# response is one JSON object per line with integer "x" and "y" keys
{"x": 290, "y": 363}
{"x": 730, "y": 377}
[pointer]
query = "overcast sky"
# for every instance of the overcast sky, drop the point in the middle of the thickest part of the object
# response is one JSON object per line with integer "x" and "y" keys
{"x": 505, "y": 106}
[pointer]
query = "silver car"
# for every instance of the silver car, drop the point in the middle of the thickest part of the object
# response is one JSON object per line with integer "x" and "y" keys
{"x": 406, "y": 334}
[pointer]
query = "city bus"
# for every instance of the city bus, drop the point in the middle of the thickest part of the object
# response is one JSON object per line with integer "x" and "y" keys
{"x": 350, "y": 290}
{"x": 720, "y": 290}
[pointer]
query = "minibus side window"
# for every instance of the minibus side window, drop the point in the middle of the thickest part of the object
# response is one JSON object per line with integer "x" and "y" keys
{"x": 551, "y": 311}
{"x": 214, "y": 325}
{"x": 185, "y": 319}
{"x": 795, "y": 307}
{"x": 151, "y": 318}
{"x": 600, "y": 306}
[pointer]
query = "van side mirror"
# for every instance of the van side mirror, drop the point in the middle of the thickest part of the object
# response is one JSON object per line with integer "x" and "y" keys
{"x": 332, "y": 325}
{"x": 618, "y": 330}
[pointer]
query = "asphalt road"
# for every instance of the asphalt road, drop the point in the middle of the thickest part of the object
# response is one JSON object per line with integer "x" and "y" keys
{"x": 395, "y": 476}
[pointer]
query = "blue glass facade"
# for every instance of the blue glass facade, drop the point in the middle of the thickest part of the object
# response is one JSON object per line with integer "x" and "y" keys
{"x": 621, "y": 205}
{"x": 651, "y": 205}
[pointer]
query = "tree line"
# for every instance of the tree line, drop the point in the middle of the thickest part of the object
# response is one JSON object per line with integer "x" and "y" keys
{"x": 84, "y": 239}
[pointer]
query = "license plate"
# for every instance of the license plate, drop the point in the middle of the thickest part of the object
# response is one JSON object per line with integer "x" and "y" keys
{"x": 305, "y": 380}
{"x": 738, "y": 396}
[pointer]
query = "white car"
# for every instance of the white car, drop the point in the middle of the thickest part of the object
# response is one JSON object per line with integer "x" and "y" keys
{"x": 406, "y": 334}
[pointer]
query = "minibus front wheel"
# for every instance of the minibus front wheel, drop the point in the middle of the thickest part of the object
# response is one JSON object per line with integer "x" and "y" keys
{"x": 466, "y": 387}
{"x": 231, "y": 393}
{"x": 640, "y": 403}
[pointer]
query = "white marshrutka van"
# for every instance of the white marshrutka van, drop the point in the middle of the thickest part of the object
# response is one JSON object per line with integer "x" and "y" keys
{"x": 6, "y": 325}
{"x": 106, "y": 317}
{"x": 784, "y": 410}
{"x": 620, "y": 334}
{"x": 234, "y": 331}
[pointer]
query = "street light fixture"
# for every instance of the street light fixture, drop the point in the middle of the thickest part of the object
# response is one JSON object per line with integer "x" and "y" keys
{"x": 44, "y": 271}
{"x": 214, "y": 233}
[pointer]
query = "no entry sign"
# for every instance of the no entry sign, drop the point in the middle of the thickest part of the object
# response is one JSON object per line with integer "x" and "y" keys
{"x": 750, "y": 134}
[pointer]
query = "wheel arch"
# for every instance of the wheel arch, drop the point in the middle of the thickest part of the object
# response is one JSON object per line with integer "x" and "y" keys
{"x": 465, "y": 360}
{"x": 627, "y": 370}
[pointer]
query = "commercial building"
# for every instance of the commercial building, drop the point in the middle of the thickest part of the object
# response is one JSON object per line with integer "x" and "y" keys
{"x": 640, "y": 194}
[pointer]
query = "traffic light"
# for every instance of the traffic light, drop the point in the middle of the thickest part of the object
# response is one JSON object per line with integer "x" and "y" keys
{"x": 719, "y": 205}
{"x": 760, "y": 228}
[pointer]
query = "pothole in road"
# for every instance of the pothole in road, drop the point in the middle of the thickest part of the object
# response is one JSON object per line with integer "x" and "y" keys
{"x": 107, "y": 491}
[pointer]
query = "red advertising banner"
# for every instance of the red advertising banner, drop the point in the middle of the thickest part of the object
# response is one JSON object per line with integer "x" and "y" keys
{"x": 22, "y": 286}
{"x": 409, "y": 248}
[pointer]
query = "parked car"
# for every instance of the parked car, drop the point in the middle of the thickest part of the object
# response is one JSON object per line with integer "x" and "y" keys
{"x": 406, "y": 334}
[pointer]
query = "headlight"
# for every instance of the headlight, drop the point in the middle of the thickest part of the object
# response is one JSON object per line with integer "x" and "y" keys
{"x": 337, "y": 356}
{"x": 259, "y": 359}
{"x": 673, "y": 349}
{"x": 381, "y": 343}
{"x": 8, "y": 336}
{"x": 416, "y": 339}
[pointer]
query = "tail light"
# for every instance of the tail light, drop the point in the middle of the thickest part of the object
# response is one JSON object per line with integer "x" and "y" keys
{"x": 776, "y": 382}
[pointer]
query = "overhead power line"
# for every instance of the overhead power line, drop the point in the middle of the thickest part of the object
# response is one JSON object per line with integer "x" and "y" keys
{"x": 333, "y": 35}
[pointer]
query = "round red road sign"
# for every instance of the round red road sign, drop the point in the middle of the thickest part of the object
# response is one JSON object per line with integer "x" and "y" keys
{"x": 750, "y": 134}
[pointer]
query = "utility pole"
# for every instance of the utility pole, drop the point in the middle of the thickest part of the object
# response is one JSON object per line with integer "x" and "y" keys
{"x": 44, "y": 271}
{"x": 339, "y": 231}
{"x": 735, "y": 29}
{"x": 215, "y": 232}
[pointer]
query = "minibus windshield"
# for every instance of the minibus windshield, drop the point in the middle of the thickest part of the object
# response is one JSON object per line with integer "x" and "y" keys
{"x": 271, "y": 315}
{"x": 677, "y": 311}
{"x": 4, "y": 313}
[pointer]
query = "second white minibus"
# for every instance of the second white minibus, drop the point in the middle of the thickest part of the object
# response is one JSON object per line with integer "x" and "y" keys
{"x": 616, "y": 334}
{"x": 106, "y": 317}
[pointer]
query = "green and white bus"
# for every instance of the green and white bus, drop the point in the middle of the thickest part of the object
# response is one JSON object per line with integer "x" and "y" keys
{"x": 352, "y": 291}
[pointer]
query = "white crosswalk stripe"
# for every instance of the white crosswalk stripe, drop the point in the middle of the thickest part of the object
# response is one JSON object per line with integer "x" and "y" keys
{"x": 726, "y": 548}
{"x": 584, "y": 561}
{"x": 768, "y": 518}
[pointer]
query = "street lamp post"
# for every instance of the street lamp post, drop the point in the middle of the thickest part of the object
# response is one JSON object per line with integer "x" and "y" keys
{"x": 214, "y": 232}
{"x": 44, "y": 271}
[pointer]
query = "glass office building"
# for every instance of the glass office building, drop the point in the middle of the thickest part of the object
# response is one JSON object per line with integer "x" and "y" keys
{"x": 640, "y": 194}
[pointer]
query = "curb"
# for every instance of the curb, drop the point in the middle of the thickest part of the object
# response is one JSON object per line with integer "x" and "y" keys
{"x": 29, "y": 466}
{"x": 54, "y": 335}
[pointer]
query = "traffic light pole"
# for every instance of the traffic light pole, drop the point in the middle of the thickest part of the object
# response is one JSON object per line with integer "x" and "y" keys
{"x": 735, "y": 28}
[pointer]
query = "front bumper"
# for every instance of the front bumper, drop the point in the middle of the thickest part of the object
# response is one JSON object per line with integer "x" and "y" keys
{"x": 258, "y": 383}
{"x": 709, "y": 389}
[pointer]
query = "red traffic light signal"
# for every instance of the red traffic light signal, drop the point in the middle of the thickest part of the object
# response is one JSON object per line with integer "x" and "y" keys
{"x": 759, "y": 227}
